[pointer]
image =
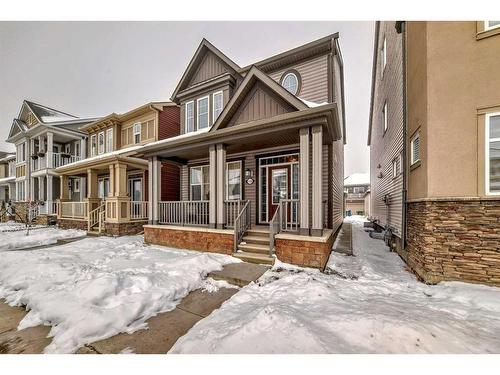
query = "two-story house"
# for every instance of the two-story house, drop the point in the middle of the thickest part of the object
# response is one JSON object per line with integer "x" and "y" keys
{"x": 108, "y": 190}
{"x": 45, "y": 138}
{"x": 356, "y": 187}
{"x": 7, "y": 177}
{"x": 261, "y": 156}
{"x": 436, "y": 102}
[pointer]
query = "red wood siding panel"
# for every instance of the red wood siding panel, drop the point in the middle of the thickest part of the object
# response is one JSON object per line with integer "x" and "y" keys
{"x": 146, "y": 186}
{"x": 170, "y": 182}
{"x": 169, "y": 122}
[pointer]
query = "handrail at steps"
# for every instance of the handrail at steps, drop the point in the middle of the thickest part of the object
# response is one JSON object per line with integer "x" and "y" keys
{"x": 274, "y": 228}
{"x": 241, "y": 224}
{"x": 96, "y": 216}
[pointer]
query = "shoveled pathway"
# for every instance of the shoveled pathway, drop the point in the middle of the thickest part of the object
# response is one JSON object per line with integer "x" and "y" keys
{"x": 162, "y": 332}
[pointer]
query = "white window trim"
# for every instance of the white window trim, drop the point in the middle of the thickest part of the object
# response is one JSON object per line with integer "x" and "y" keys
{"x": 93, "y": 151}
{"x": 384, "y": 55}
{"x": 99, "y": 151}
{"x": 198, "y": 111}
{"x": 134, "y": 133}
{"x": 109, "y": 146}
{"x": 394, "y": 167}
{"x": 201, "y": 184}
{"x": 384, "y": 111}
{"x": 186, "y": 117}
{"x": 487, "y": 27}
{"x": 227, "y": 178}
{"x": 417, "y": 135}
{"x": 487, "y": 153}
{"x": 296, "y": 79}
{"x": 213, "y": 105}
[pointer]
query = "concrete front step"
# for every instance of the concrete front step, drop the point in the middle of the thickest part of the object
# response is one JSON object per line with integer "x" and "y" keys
{"x": 254, "y": 258}
{"x": 257, "y": 232}
{"x": 261, "y": 240}
{"x": 254, "y": 248}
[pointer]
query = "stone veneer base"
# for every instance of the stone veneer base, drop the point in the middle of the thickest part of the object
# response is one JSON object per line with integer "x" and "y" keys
{"x": 306, "y": 251}
{"x": 454, "y": 240}
{"x": 200, "y": 239}
{"x": 124, "y": 229}
{"x": 72, "y": 224}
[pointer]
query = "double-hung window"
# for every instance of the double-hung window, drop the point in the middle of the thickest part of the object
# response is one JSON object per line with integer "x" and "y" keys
{"x": 217, "y": 104}
{"x": 77, "y": 148}
{"x": 109, "y": 140}
{"x": 384, "y": 116}
{"x": 488, "y": 25}
{"x": 101, "y": 142}
{"x": 202, "y": 111}
{"x": 21, "y": 153}
{"x": 233, "y": 180}
{"x": 199, "y": 183}
{"x": 189, "y": 120}
{"x": 93, "y": 145}
{"x": 415, "y": 148}
{"x": 493, "y": 154}
{"x": 137, "y": 132}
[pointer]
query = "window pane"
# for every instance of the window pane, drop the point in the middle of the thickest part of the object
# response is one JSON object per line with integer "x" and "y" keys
{"x": 493, "y": 23}
{"x": 206, "y": 172}
{"x": 206, "y": 192}
{"x": 495, "y": 166}
{"x": 189, "y": 117}
{"x": 495, "y": 126}
{"x": 291, "y": 83}
{"x": 196, "y": 176}
{"x": 202, "y": 113}
{"x": 217, "y": 105}
{"x": 196, "y": 192}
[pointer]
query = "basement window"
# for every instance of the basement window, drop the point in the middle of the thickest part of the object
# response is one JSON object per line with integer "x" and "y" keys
{"x": 415, "y": 148}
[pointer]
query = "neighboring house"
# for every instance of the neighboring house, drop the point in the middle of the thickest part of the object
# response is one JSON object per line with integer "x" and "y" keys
{"x": 45, "y": 138}
{"x": 7, "y": 177}
{"x": 356, "y": 186}
{"x": 441, "y": 85}
{"x": 108, "y": 190}
{"x": 261, "y": 156}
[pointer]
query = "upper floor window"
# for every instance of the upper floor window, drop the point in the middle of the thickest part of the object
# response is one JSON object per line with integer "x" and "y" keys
{"x": 137, "y": 132}
{"x": 218, "y": 105}
{"x": 384, "y": 116}
{"x": 202, "y": 112}
{"x": 359, "y": 189}
{"x": 415, "y": 148}
{"x": 109, "y": 140}
{"x": 290, "y": 82}
{"x": 488, "y": 25}
{"x": 233, "y": 177}
{"x": 21, "y": 153}
{"x": 93, "y": 145}
{"x": 101, "y": 142}
{"x": 493, "y": 153}
{"x": 383, "y": 53}
{"x": 189, "y": 127}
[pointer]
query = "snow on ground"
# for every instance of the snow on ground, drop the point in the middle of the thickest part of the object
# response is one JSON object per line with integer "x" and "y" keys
{"x": 369, "y": 304}
{"x": 38, "y": 236}
{"x": 94, "y": 288}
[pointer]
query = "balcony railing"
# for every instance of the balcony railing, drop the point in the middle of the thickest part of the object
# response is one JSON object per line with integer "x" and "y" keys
{"x": 195, "y": 213}
{"x": 58, "y": 159}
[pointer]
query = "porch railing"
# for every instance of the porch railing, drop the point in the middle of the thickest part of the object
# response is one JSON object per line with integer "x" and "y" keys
{"x": 274, "y": 228}
{"x": 73, "y": 210}
{"x": 138, "y": 210}
{"x": 48, "y": 208}
{"x": 241, "y": 224}
{"x": 290, "y": 215}
{"x": 233, "y": 209}
{"x": 195, "y": 213}
{"x": 59, "y": 159}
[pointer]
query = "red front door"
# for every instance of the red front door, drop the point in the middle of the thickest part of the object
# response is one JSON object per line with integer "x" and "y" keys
{"x": 278, "y": 187}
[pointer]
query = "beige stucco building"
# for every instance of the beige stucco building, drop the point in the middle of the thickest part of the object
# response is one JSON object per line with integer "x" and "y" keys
{"x": 450, "y": 128}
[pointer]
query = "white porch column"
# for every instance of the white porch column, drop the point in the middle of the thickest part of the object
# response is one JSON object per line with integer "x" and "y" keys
{"x": 50, "y": 197}
{"x": 304, "y": 181}
{"x": 213, "y": 186}
{"x": 50, "y": 145}
{"x": 83, "y": 148}
{"x": 156, "y": 188}
{"x": 221, "y": 185}
{"x": 40, "y": 188}
{"x": 317, "y": 191}
{"x": 151, "y": 202}
{"x": 83, "y": 188}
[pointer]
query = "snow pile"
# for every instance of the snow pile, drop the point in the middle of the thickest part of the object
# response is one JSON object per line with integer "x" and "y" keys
{"x": 38, "y": 236}
{"x": 95, "y": 288}
{"x": 368, "y": 304}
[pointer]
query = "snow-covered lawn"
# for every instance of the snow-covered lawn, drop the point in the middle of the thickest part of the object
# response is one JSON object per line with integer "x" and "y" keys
{"x": 97, "y": 287}
{"x": 373, "y": 305}
{"x": 38, "y": 235}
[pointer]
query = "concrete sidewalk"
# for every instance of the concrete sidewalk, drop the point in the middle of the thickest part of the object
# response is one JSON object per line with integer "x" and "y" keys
{"x": 162, "y": 332}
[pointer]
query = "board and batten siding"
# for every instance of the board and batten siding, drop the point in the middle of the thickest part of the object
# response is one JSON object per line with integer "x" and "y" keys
{"x": 387, "y": 146}
{"x": 314, "y": 78}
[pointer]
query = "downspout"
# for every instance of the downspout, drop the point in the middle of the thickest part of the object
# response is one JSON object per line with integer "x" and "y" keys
{"x": 405, "y": 125}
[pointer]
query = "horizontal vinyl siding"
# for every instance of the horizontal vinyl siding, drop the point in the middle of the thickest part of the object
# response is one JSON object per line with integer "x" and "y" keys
{"x": 386, "y": 147}
{"x": 184, "y": 183}
{"x": 314, "y": 77}
{"x": 337, "y": 184}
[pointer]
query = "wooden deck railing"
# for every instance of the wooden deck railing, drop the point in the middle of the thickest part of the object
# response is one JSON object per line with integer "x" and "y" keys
{"x": 73, "y": 210}
{"x": 138, "y": 210}
{"x": 195, "y": 213}
{"x": 290, "y": 215}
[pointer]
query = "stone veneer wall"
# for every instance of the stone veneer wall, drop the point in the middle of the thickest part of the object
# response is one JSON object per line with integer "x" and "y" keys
{"x": 124, "y": 229}
{"x": 201, "y": 240}
{"x": 303, "y": 252}
{"x": 72, "y": 224}
{"x": 455, "y": 240}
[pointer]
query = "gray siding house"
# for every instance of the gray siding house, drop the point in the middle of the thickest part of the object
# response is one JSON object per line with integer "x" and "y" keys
{"x": 261, "y": 156}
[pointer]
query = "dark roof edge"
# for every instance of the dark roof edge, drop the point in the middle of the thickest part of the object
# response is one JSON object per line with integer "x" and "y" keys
{"x": 374, "y": 68}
